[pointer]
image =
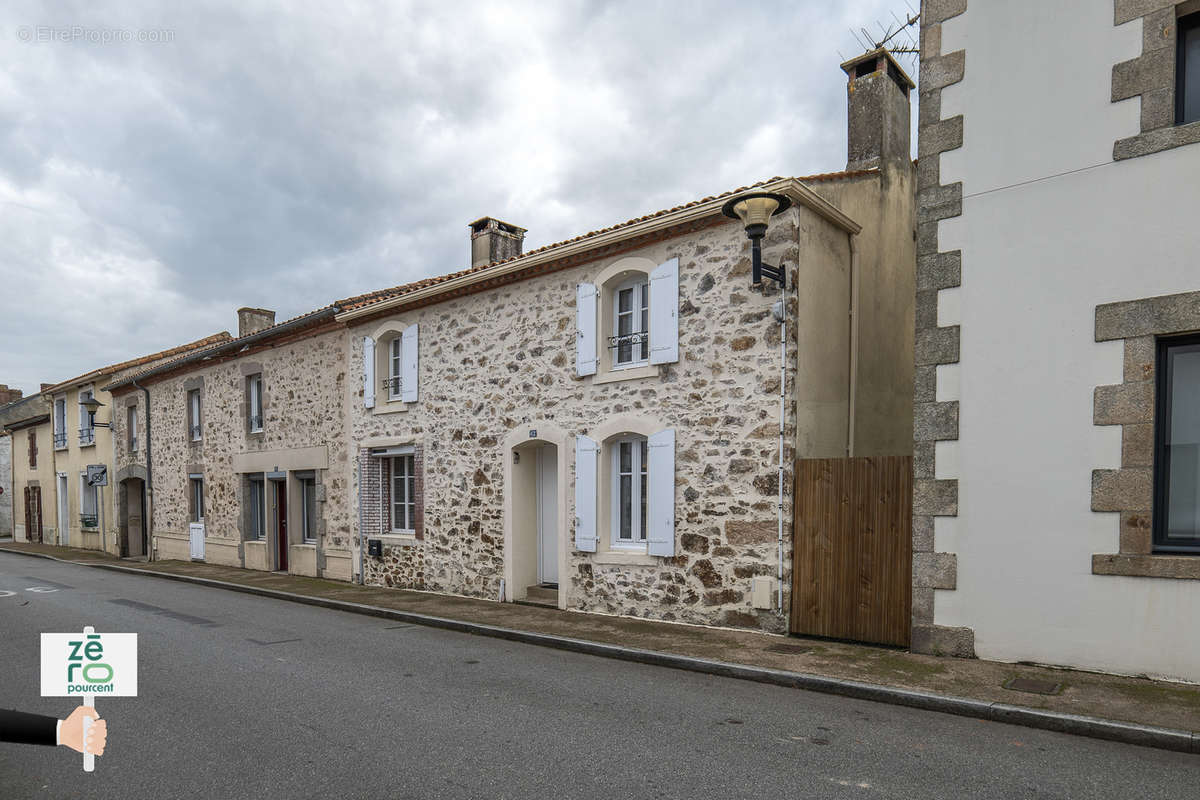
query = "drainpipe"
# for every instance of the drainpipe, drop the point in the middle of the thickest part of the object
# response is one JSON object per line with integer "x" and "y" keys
{"x": 781, "y": 315}
{"x": 148, "y": 495}
{"x": 853, "y": 389}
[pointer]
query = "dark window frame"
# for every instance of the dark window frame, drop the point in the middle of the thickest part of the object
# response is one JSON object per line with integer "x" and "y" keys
{"x": 1162, "y": 465}
{"x": 1183, "y": 25}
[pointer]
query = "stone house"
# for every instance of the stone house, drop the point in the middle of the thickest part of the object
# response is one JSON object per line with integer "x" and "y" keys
{"x": 1057, "y": 383}
{"x": 594, "y": 425}
{"x": 245, "y": 459}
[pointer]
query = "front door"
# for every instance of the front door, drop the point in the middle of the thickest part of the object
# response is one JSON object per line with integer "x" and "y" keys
{"x": 135, "y": 532}
{"x": 547, "y": 516}
{"x": 64, "y": 526}
{"x": 281, "y": 533}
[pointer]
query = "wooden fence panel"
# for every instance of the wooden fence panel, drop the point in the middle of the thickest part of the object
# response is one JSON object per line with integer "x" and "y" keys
{"x": 852, "y": 575}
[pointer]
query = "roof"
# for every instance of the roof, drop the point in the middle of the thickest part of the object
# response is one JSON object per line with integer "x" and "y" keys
{"x": 379, "y": 296}
{"x": 227, "y": 345}
{"x": 24, "y": 412}
{"x": 132, "y": 363}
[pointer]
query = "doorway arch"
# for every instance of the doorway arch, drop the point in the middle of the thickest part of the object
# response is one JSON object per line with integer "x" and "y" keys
{"x": 536, "y": 542}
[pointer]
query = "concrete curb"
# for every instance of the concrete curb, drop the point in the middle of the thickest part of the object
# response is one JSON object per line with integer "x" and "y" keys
{"x": 1094, "y": 727}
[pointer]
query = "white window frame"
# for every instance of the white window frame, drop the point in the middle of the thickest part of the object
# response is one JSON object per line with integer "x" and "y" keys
{"x": 85, "y": 492}
{"x": 308, "y": 484}
{"x": 196, "y": 488}
{"x": 132, "y": 424}
{"x": 258, "y": 507}
{"x": 61, "y": 433}
{"x": 410, "y": 502}
{"x": 395, "y": 367}
{"x": 641, "y": 302}
{"x": 256, "y": 404}
{"x": 638, "y": 490}
{"x": 195, "y": 429}
{"x": 86, "y": 422}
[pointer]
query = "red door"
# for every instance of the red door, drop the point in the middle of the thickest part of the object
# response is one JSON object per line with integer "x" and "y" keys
{"x": 281, "y": 543}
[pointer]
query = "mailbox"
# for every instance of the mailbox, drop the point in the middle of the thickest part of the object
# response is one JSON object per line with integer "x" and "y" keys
{"x": 375, "y": 548}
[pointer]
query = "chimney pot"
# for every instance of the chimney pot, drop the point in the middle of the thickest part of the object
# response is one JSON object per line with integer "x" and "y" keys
{"x": 493, "y": 240}
{"x": 253, "y": 320}
{"x": 878, "y": 111}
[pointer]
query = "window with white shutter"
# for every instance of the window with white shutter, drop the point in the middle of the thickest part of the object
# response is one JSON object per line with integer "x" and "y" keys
{"x": 368, "y": 372}
{"x": 408, "y": 365}
{"x": 664, "y": 313}
{"x": 660, "y": 514}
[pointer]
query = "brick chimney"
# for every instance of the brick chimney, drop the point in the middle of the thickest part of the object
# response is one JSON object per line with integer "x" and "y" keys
{"x": 493, "y": 240}
{"x": 8, "y": 395}
{"x": 44, "y": 386}
{"x": 253, "y": 320}
{"x": 879, "y": 111}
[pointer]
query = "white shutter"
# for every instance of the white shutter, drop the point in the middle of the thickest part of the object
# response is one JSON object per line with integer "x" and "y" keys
{"x": 368, "y": 372}
{"x": 586, "y": 456}
{"x": 664, "y": 313}
{"x": 585, "y": 334}
{"x": 408, "y": 365}
{"x": 660, "y": 494}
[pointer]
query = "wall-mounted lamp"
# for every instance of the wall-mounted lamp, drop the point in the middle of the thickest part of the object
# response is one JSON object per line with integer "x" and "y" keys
{"x": 755, "y": 211}
{"x": 92, "y": 404}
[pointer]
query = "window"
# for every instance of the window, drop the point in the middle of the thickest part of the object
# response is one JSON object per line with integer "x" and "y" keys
{"x": 87, "y": 433}
{"x": 394, "y": 368}
{"x": 403, "y": 494}
{"x": 308, "y": 505}
{"x": 1187, "y": 70}
{"x": 1177, "y": 447}
{"x": 32, "y": 449}
{"x": 258, "y": 507}
{"x": 630, "y": 341}
{"x": 132, "y": 427}
{"x": 629, "y": 491}
{"x": 87, "y": 503}
{"x": 196, "y": 497}
{"x": 60, "y": 423}
{"x": 254, "y": 388}
{"x": 194, "y": 429}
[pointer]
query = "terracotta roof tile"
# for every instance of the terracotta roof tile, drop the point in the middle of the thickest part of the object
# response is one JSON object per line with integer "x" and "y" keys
{"x": 183, "y": 349}
{"x": 370, "y": 298}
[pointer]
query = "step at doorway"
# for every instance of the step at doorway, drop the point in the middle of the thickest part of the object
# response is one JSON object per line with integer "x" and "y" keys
{"x": 542, "y": 594}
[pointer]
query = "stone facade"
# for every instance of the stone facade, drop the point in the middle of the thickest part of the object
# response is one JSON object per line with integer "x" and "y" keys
{"x": 935, "y": 345}
{"x": 503, "y": 360}
{"x": 1150, "y": 77}
{"x": 304, "y": 388}
{"x": 6, "y": 485}
{"x": 1129, "y": 490}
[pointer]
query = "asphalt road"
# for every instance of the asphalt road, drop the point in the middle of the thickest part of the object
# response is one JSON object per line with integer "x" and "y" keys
{"x": 248, "y": 697}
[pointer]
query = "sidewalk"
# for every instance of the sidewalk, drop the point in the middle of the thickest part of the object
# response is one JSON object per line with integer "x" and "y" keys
{"x": 1140, "y": 701}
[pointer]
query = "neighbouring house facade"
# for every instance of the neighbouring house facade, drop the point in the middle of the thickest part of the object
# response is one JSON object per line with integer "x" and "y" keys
{"x": 26, "y": 423}
{"x": 245, "y": 460}
{"x": 1057, "y": 384}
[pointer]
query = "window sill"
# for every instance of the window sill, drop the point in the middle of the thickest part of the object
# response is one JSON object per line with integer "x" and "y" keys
{"x": 1147, "y": 566}
{"x": 630, "y": 558}
{"x": 398, "y": 539}
{"x": 307, "y": 544}
{"x": 81, "y": 446}
{"x": 1157, "y": 140}
{"x": 390, "y": 407}
{"x": 630, "y": 374}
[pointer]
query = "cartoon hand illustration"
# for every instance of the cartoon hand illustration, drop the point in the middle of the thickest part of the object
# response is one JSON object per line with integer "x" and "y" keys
{"x": 71, "y": 733}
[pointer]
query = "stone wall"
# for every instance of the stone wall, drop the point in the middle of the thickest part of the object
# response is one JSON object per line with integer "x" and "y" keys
{"x": 304, "y": 383}
{"x": 494, "y": 361}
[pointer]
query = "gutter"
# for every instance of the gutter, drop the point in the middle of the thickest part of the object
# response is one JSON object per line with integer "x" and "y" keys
{"x": 230, "y": 346}
{"x": 795, "y": 190}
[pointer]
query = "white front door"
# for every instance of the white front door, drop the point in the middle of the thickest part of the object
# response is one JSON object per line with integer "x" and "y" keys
{"x": 196, "y": 538}
{"x": 64, "y": 525}
{"x": 547, "y": 516}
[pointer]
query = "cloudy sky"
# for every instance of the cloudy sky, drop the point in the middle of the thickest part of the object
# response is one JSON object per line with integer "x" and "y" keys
{"x": 287, "y": 154}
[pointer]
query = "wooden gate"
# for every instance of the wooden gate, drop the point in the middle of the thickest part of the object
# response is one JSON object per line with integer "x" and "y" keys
{"x": 852, "y": 574}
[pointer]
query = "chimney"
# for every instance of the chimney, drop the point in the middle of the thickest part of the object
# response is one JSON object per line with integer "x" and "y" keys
{"x": 493, "y": 240}
{"x": 253, "y": 320}
{"x": 879, "y": 109}
{"x": 44, "y": 386}
{"x": 8, "y": 395}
